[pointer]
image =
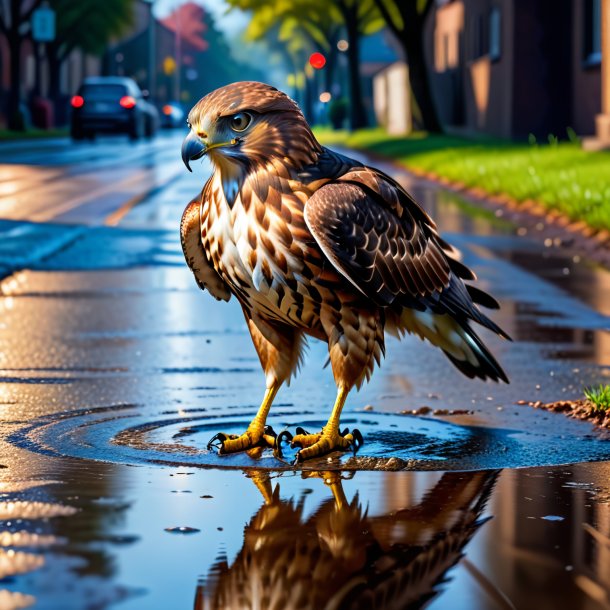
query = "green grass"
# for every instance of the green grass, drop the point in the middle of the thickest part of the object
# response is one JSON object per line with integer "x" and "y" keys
{"x": 7, "y": 135}
{"x": 559, "y": 175}
{"x": 599, "y": 396}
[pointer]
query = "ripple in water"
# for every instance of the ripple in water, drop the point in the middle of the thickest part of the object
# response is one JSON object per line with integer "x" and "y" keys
{"x": 130, "y": 434}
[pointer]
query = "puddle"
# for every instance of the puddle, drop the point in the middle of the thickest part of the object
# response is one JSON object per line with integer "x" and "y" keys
{"x": 113, "y": 381}
{"x": 133, "y": 435}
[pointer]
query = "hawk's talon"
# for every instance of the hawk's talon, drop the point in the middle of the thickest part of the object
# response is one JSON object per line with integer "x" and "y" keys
{"x": 358, "y": 439}
{"x": 316, "y": 445}
{"x": 284, "y": 434}
{"x": 249, "y": 441}
{"x": 221, "y": 436}
{"x": 303, "y": 439}
{"x": 277, "y": 450}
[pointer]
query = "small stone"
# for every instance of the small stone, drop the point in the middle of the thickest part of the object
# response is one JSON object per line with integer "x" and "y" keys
{"x": 206, "y": 497}
{"x": 369, "y": 408}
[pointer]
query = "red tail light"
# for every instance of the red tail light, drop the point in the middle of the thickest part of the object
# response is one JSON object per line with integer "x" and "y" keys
{"x": 127, "y": 101}
{"x": 77, "y": 101}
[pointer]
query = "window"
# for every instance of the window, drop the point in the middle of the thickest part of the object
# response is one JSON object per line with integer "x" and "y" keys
{"x": 592, "y": 51}
{"x": 495, "y": 34}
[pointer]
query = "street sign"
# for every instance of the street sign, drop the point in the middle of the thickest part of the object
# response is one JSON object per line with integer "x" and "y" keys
{"x": 43, "y": 24}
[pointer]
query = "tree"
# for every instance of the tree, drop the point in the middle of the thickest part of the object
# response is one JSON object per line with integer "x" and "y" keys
{"x": 14, "y": 24}
{"x": 88, "y": 25}
{"x": 295, "y": 29}
{"x": 406, "y": 19}
{"x": 360, "y": 17}
{"x": 317, "y": 25}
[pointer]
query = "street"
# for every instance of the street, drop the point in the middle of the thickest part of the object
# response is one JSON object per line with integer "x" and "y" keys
{"x": 115, "y": 370}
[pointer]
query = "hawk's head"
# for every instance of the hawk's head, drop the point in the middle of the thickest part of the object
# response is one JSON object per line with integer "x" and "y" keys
{"x": 248, "y": 123}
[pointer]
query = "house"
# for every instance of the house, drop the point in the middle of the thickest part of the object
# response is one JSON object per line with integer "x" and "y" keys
{"x": 511, "y": 68}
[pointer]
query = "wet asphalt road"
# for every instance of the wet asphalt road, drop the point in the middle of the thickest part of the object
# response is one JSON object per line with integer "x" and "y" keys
{"x": 115, "y": 370}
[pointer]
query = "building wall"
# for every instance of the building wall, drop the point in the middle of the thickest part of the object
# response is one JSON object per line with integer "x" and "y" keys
{"x": 392, "y": 100}
{"x": 488, "y": 83}
{"x": 472, "y": 89}
{"x": 445, "y": 51}
{"x": 542, "y": 77}
{"x": 534, "y": 81}
{"x": 586, "y": 78}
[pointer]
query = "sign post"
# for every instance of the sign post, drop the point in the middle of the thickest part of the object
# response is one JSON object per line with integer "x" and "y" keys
{"x": 43, "y": 24}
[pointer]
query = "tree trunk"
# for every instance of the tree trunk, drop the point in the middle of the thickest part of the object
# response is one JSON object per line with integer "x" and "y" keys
{"x": 307, "y": 105}
{"x": 54, "y": 63}
{"x": 412, "y": 41}
{"x": 357, "y": 112}
{"x": 331, "y": 62}
{"x": 15, "y": 119}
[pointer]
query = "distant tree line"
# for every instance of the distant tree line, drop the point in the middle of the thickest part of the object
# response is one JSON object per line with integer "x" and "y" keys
{"x": 295, "y": 28}
{"x": 86, "y": 24}
{"x": 93, "y": 26}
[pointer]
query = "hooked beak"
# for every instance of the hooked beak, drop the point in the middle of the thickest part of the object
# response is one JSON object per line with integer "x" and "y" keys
{"x": 192, "y": 148}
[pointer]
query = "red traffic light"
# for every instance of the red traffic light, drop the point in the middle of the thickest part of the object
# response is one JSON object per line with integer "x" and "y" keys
{"x": 317, "y": 61}
{"x": 77, "y": 101}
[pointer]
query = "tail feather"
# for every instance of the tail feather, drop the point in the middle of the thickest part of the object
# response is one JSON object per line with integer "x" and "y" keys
{"x": 458, "y": 341}
{"x": 479, "y": 362}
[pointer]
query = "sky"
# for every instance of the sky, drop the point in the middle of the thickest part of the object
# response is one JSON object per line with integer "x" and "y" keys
{"x": 231, "y": 24}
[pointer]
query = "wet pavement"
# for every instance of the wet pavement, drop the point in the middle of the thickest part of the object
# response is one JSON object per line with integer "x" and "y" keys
{"x": 115, "y": 370}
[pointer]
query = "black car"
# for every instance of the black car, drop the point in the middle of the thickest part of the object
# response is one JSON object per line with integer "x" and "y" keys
{"x": 112, "y": 104}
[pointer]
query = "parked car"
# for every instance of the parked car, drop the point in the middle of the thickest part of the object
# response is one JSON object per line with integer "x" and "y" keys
{"x": 112, "y": 104}
{"x": 172, "y": 115}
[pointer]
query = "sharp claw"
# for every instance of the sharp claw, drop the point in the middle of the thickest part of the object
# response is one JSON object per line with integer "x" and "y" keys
{"x": 221, "y": 436}
{"x": 345, "y": 431}
{"x": 269, "y": 431}
{"x": 358, "y": 439}
{"x": 283, "y": 434}
{"x": 300, "y": 430}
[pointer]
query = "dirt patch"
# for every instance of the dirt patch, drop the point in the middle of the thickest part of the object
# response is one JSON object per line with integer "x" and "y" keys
{"x": 425, "y": 410}
{"x": 579, "y": 409}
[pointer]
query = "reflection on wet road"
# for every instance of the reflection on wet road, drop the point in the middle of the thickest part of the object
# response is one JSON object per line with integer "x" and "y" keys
{"x": 115, "y": 371}
{"x": 342, "y": 557}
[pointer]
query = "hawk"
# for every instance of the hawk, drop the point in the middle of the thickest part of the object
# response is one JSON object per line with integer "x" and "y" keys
{"x": 340, "y": 556}
{"x": 315, "y": 244}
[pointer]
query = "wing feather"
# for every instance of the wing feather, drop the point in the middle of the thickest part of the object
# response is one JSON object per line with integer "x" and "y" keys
{"x": 387, "y": 257}
{"x": 385, "y": 245}
{"x": 190, "y": 237}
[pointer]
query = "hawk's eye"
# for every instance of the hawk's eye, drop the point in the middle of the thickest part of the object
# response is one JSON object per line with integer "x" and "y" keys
{"x": 240, "y": 121}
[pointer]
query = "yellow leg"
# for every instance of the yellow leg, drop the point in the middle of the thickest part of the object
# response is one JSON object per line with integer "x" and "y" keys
{"x": 255, "y": 435}
{"x": 329, "y": 439}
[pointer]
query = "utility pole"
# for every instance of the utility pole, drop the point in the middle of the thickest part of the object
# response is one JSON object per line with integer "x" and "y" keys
{"x": 178, "y": 54}
{"x": 152, "y": 63}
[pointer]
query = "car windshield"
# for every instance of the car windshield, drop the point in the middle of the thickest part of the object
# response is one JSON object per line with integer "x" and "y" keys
{"x": 103, "y": 92}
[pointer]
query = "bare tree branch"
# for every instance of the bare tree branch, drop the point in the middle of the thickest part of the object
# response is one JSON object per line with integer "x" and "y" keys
{"x": 26, "y": 16}
{"x": 383, "y": 9}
